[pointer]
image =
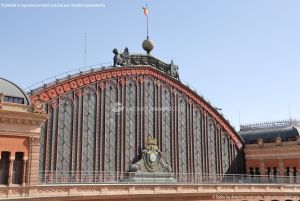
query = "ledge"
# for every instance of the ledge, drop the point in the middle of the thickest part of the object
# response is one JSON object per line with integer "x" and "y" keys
{"x": 94, "y": 191}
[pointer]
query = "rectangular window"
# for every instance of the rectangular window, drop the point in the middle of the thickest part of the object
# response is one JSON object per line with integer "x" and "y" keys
{"x": 294, "y": 171}
{"x": 18, "y": 166}
{"x": 4, "y": 163}
{"x": 10, "y": 99}
{"x": 287, "y": 171}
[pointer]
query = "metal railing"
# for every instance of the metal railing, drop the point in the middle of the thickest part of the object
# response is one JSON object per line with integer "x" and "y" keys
{"x": 90, "y": 177}
{"x": 98, "y": 67}
{"x": 71, "y": 73}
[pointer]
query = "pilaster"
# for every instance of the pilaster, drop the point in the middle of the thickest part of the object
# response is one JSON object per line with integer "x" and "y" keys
{"x": 262, "y": 167}
{"x": 281, "y": 168}
{"x": 10, "y": 170}
{"x": 25, "y": 159}
{"x": 248, "y": 170}
{"x": 33, "y": 166}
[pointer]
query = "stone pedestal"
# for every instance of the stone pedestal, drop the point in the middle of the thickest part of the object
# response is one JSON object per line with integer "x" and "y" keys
{"x": 148, "y": 177}
{"x": 152, "y": 168}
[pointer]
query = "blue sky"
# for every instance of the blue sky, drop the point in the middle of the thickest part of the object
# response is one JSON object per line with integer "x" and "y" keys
{"x": 242, "y": 55}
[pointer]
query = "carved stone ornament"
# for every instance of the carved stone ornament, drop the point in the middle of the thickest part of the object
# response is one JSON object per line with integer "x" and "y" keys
{"x": 151, "y": 168}
{"x": 38, "y": 106}
{"x": 34, "y": 140}
{"x": 260, "y": 142}
{"x": 152, "y": 159}
{"x": 278, "y": 141}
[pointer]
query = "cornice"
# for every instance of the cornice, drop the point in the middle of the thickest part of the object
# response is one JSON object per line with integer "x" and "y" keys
{"x": 281, "y": 152}
{"x": 22, "y": 118}
{"x": 98, "y": 191}
{"x": 20, "y": 134}
{"x": 273, "y": 145}
{"x": 16, "y": 107}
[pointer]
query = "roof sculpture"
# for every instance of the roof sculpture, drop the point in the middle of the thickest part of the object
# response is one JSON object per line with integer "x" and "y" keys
{"x": 126, "y": 59}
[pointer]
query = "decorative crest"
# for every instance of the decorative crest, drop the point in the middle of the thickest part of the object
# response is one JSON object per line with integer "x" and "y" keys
{"x": 151, "y": 141}
{"x": 152, "y": 159}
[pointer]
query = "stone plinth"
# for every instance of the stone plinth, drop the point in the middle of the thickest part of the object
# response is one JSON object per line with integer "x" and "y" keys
{"x": 138, "y": 177}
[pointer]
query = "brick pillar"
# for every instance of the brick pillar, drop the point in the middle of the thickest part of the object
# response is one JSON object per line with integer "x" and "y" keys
{"x": 25, "y": 159}
{"x": 262, "y": 170}
{"x": 262, "y": 167}
{"x": 10, "y": 170}
{"x": 33, "y": 166}
{"x": 248, "y": 170}
{"x": 281, "y": 168}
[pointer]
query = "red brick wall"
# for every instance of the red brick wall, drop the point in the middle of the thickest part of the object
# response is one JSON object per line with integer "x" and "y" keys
{"x": 291, "y": 163}
{"x": 14, "y": 144}
{"x": 271, "y": 163}
{"x": 253, "y": 163}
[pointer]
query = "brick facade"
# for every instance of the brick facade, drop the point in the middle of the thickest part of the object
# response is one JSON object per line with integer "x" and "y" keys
{"x": 274, "y": 159}
{"x": 20, "y": 129}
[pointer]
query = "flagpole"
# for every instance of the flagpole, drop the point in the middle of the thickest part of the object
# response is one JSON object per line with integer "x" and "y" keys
{"x": 147, "y": 43}
{"x": 147, "y": 22}
{"x": 147, "y": 28}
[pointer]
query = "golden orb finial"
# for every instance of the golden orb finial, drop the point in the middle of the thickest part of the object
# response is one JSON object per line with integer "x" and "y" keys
{"x": 148, "y": 45}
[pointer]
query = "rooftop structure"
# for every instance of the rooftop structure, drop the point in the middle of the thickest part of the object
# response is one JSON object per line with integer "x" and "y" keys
{"x": 286, "y": 130}
{"x": 13, "y": 93}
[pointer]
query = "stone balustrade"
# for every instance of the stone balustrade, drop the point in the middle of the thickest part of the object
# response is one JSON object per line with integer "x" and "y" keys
{"x": 183, "y": 191}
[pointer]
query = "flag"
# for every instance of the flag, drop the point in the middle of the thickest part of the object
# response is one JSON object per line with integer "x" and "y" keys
{"x": 145, "y": 11}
